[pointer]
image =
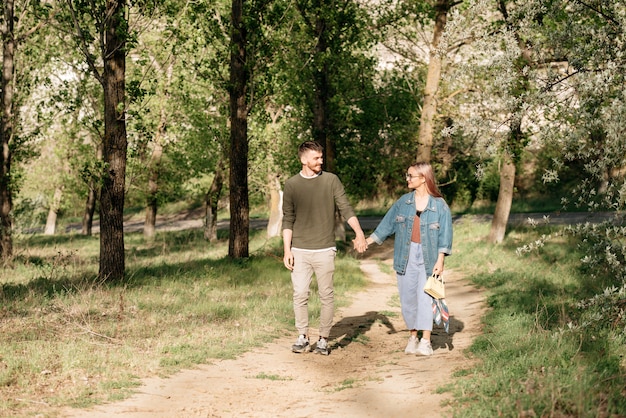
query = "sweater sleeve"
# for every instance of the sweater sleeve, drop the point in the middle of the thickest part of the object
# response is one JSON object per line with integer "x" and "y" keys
{"x": 341, "y": 200}
{"x": 289, "y": 213}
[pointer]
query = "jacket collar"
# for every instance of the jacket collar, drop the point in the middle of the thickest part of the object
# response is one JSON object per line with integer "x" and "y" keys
{"x": 410, "y": 200}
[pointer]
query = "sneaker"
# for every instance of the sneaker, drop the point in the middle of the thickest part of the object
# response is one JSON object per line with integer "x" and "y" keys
{"x": 424, "y": 348}
{"x": 322, "y": 347}
{"x": 411, "y": 347}
{"x": 302, "y": 345}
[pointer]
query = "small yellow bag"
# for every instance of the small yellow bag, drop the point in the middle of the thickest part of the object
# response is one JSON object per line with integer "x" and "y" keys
{"x": 435, "y": 287}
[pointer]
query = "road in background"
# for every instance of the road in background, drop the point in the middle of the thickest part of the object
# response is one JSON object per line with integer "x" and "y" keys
{"x": 368, "y": 223}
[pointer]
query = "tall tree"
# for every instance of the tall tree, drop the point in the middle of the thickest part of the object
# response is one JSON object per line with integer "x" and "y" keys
{"x": 158, "y": 146}
{"x": 105, "y": 21}
{"x": 7, "y": 120}
{"x": 18, "y": 24}
{"x": 516, "y": 137}
{"x": 112, "y": 259}
{"x": 238, "y": 155}
{"x": 433, "y": 77}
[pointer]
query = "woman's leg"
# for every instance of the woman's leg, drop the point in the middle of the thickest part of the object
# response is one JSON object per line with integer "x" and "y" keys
{"x": 408, "y": 287}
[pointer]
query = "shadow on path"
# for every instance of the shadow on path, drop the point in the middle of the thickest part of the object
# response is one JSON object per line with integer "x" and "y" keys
{"x": 352, "y": 328}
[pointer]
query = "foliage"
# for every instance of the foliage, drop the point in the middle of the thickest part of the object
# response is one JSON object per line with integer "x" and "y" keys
{"x": 585, "y": 103}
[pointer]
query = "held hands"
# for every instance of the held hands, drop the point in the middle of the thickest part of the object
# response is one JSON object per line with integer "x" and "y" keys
{"x": 360, "y": 244}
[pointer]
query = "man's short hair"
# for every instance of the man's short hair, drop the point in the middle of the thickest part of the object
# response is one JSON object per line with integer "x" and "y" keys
{"x": 309, "y": 146}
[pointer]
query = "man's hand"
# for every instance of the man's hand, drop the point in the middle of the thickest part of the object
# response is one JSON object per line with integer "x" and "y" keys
{"x": 288, "y": 260}
{"x": 360, "y": 244}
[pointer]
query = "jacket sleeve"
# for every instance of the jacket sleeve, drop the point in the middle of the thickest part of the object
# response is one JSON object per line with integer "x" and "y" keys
{"x": 386, "y": 227}
{"x": 444, "y": 243}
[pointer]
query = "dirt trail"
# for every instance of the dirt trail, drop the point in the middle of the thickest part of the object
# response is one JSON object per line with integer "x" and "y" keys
{"x": 367, "y": 373}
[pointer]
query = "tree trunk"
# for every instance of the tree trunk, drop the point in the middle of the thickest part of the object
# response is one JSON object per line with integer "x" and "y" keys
{"x": 6, "y": 132}
{"x": 154, "y": 166}
{"x": 505, "y": 199}
{"x": 112, "y": 259}
{"x": 53, "y": 211}
{"x": 211, "y": 201}
{"x": 322, "y": 93}
{"x": 276, "y": 206}
{"x": 322, "y": 122}
{"x": 90, "y": 208}
{"x": 433, "y": 76}
{"x": 515, "y": 143}
{"x": 238, "y": 180}
{"x": 149, "y": 226}
{"x": 90, "y": 204}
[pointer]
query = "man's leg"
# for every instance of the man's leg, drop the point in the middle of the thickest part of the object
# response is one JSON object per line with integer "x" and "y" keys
{"x": 324, "y": 267}
{"x": 301, "y": 281}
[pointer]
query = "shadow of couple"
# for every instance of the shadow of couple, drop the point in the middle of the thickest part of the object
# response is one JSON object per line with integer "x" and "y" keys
{"x": 353, "y": 329}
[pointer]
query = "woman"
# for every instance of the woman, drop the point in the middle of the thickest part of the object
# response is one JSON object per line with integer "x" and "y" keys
{"x": 422, "y": 224}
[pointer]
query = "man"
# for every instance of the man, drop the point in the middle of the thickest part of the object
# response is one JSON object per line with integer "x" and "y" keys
{"x": 309, "y": 203}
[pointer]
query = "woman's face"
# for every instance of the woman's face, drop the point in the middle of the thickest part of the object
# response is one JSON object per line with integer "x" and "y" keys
{"x": 414, "y": 180}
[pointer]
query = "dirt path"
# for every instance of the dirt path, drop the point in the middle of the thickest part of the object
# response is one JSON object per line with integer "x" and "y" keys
{"x": 366, "y": 375}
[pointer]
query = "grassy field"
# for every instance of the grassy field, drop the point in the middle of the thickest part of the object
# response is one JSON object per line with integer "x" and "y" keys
{"x": 68, "y": 339}
{"x": 530, "y": 362}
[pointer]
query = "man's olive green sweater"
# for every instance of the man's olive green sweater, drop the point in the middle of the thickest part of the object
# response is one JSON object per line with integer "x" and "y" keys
{"x": 309, "y": 209}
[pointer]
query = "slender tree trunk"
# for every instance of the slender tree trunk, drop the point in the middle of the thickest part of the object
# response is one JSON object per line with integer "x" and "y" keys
{"x": 276, "y": 206}
{"x": 149, "y": 227}
{"x": 514, "y": 145}
{"x": 322, "y": 121}
{"x": 112, "y": 259}
{"x": 322, "y": 93}
{"x": 90, "y": 209}
{"x": 9, "y": 46}
{"x": 238, "y": 245}
{"x": 154, "y": 166}
{"x": 90, "y": 204}
{"x": 505, "y": 200}
{"x": 53, "y": 211}
{"x": 211, "y": 201}
{"x": 433, "y": 76}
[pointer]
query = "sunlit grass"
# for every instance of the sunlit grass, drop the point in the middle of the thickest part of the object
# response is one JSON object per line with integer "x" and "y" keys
{"x": 528, "y": 365}
{"x": 69, "y": 339}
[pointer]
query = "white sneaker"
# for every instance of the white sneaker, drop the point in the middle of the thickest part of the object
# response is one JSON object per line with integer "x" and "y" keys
{"x": 411, "y": 347}
{"x": 322, "y": 347}
{"x": 302, "y": 345}
{"x": 424, "y": 348}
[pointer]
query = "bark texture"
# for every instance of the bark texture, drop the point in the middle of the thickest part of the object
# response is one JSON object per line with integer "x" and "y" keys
{"x": 9, "y": 46}
{"x": 276, "y": 206}
{"x": 238, "y": 244}
{"x": 53, "y": 212}
{"x": 211, "y": 201}
{"x": 505, "y": 200}
{"x": 112, "y": 259}
{"x": 433, "y": 76}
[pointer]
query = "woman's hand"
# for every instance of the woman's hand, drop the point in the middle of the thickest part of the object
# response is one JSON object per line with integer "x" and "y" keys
{"x": 438, "y": 268}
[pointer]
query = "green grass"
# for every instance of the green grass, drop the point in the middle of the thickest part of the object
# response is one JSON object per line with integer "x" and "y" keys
{"x": 529, "y": 364}
{"x": 68, "y": 339}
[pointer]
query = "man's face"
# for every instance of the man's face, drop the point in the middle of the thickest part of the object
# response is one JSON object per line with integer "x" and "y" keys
{"x": 313, "y": 161}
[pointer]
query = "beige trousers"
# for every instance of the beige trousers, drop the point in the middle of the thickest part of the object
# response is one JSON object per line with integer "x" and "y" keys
{"x": 322, "y": 264}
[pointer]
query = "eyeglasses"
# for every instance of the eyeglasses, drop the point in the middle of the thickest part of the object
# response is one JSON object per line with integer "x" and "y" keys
{"x": 410, "y": 176}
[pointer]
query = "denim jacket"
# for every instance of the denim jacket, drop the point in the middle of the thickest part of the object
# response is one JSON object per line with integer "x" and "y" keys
{"x": 435, "y": 230}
